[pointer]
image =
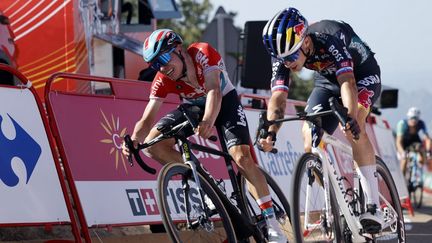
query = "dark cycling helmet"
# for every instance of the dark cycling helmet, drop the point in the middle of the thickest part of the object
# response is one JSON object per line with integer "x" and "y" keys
{"x": 284, "y": 34}
{"x": 159, "y": 42}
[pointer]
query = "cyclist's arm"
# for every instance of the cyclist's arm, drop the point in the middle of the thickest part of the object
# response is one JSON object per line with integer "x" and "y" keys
{"x": 143, "y": 126}
{"x": 425, "y": 137}
{"x": 349, "y": 93}
{"x": 276, "y": 108}
{"x": 399, "y": 137}
{"x": 212, "y": 105}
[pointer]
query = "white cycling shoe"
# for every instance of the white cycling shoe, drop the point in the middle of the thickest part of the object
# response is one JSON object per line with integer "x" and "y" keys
{"x": 372, "y": 220}
{"x": 275, "y": 234}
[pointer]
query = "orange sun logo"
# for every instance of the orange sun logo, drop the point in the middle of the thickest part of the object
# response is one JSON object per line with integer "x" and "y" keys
{"x": 115, "y": 138}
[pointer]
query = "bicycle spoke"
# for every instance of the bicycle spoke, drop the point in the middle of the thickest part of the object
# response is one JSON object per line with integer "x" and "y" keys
{"x": 318, "y": 221}
{"x": 186, "y": 217}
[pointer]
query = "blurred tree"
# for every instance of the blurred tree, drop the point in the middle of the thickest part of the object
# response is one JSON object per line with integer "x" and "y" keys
{"x": 195, "y": 19}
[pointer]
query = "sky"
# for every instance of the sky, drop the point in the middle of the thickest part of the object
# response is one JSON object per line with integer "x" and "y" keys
{"x": 399, "y": 32}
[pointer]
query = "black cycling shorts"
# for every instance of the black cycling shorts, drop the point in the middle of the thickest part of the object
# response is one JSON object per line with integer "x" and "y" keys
{"x": 368, "y": 77}
{"x": 231, "y": 118}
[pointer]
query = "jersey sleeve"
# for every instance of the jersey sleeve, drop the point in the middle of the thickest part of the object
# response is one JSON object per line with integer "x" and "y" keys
{"x": 206, "y": 56}
{"x": 422, "y": 130}
{"x": 339, "y": 52}
{"x": 280, "y": 76}
{"x": 401, "y": 128}
{"x": 158, "y": 88}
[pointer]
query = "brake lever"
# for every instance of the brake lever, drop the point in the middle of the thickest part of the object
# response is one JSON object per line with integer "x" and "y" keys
{"x": 135, "y": 152}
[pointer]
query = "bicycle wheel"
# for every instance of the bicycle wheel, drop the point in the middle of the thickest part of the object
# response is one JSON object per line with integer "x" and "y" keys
{"x": 394, "y": 226}
{"x": 280, "y": 205}
{"x": 199, "y": 223}
{"x": 416, "y": 190}
{"x": 313, "y": 219}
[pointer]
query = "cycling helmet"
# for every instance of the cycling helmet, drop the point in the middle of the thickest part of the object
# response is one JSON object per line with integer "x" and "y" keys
{"x": 413, "y": 112}
{"x": 284, "y": 34}
{"x": 159, "y": 42}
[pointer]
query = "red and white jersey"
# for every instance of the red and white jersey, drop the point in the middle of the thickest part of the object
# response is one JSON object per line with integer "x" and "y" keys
{"x": 205, "y": 59}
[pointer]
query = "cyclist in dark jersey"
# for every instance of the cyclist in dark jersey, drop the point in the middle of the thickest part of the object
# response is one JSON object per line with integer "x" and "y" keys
{"x": 409, "y": 131}
{"x": 198, "y": 75}
{"x": 350, "y": 73}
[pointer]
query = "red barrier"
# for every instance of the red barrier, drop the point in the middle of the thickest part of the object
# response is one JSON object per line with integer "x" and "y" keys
{"x": 26, "y": 84}
{"x": 89, "y": 130}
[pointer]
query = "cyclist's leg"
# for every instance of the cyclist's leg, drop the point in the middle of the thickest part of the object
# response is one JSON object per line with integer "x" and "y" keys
{"x": 369, "y": 89}
{"x": 236, "y": 134}
{"x": 164, "y": 151}
{"x": 280, "y": 205}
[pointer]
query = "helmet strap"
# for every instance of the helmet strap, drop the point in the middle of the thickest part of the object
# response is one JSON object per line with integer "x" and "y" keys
{"x": 184, "y": 65}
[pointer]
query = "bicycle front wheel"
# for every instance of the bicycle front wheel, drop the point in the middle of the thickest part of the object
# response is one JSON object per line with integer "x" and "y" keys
{"x": 315, "y": 217}
{"x": 280, "y": 205}
{"x": 394, "y": 226}
{"x": 185, "y": 216}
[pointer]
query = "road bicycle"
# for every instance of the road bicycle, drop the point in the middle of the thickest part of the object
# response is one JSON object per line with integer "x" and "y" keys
{"x": 414, "y": 174}
{"x": 326, "y": 200}
{"x": 196, "y": 207}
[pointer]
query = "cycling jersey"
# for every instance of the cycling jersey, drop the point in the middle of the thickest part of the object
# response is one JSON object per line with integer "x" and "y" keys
{"x": 205, "y": 59}
{"x": 337, "y": 50}
{"x": 409, "y": 138}
{"x": 232, "y": 121}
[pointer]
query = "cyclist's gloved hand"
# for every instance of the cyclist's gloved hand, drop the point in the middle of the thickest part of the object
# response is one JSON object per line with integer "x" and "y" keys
{"x": 353, "y": 127}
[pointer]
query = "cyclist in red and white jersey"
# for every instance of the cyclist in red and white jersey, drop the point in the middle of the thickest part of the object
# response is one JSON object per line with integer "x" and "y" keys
{"x": 351, "y": 73}
{"x": 199, "y": 76}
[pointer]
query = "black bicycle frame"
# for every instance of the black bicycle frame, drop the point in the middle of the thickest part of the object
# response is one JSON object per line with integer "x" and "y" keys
{"x": 243, "y": 227}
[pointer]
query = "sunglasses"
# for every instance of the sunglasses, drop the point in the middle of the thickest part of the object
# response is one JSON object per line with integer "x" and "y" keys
{"x": 162, "y": 60}
{"x": 291, "y": 58}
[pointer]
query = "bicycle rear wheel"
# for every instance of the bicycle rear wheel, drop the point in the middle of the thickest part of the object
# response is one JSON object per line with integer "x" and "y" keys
{"x": 280, "y": 205}
{"x": 394, "y": 228}
{"x": 417, "y": 196}
{"x": 206, "y": 221}
{"x": 415, "y": 184}
{"x": 314, "y": 220}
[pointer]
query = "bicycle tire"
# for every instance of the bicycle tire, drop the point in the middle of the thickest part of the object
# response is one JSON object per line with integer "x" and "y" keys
{"x": 415, "y": 183}
{"x": 396, "y": 232}
{"x": 280, "y": 205}
{"x": 310, "y": 165}
{"x": 170, "y": 187}
{"x": 417, "y": 196}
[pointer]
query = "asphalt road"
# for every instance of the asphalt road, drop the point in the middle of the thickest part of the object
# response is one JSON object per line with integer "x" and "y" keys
{"x": 419, "y": 227}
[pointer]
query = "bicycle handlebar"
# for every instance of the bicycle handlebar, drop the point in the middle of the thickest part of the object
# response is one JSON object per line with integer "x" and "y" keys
{"x": 190, "y": 113}
{"x": 337, "y": 109}
{"x": 135, "y": 152}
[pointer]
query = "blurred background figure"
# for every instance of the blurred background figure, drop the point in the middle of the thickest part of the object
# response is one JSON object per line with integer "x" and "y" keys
{"x": 411, "y": 131}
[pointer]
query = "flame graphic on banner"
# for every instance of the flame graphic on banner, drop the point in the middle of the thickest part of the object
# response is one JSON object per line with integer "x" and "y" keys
{"x": 112, "y": 128}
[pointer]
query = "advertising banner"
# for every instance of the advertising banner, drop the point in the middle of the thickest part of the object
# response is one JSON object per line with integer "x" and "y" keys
{"x": 387, "y": 151}
{"x": 30, "y": 190}
{"x": 91, "y": 129}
